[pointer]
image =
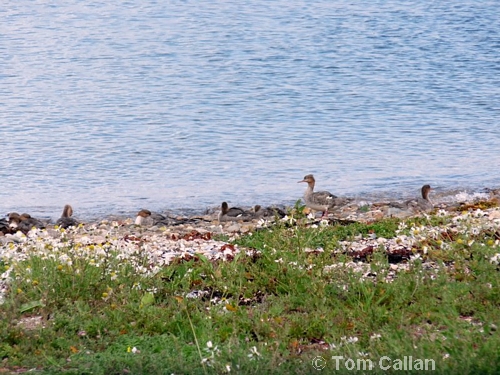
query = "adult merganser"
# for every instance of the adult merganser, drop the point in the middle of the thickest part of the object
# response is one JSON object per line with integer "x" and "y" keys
{"x": 24, "y": 222}
{"x": 320, "y": 200}
{"x": 234, "y": 213}
{"x": 66, "y": 221}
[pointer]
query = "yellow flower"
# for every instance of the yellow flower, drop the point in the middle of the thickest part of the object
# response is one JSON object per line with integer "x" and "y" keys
{"x": 59, "y": 267}
{"x": 105, "y": 295}
{"x": 35, "y": 282}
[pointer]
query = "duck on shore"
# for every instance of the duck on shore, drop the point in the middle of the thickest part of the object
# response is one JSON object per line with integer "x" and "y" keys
{"x": 24, "y": 222}
{"x": 261, "y": 212}
{"x": 321, "y": 200}
{"x": 234, "y": 213}
{"x": 66, "y": 221}
{"x": 4, "y": 226}
{"x": 412, "y": 206}
{"x": 147, "y": 218}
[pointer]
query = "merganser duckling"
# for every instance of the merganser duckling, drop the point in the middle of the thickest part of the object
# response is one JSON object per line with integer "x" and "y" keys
{"x": 146, "y": 217}
{"x": 24, "y": 222}
{"x": 268, "y": 212}
{"x": 320, "y": 200}
{"x": 4, "y": 226}
{"x": 417, "y": 205}
{"x": 423, "y": 204}
{"x": 66, "y": 221}
{"x": 234, "y": 213}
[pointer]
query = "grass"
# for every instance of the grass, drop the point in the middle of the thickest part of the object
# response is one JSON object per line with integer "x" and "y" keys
{"x": 299, "y": 296}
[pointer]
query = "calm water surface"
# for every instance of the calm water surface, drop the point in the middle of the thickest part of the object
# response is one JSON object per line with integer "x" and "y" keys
{"x": 116, "y": 106}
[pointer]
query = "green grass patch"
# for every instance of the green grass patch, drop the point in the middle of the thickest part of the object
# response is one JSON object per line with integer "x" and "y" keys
{"x": 276, "y": 311}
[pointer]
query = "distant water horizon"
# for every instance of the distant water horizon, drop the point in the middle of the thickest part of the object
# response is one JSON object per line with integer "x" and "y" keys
{"x": 171, "y": 106}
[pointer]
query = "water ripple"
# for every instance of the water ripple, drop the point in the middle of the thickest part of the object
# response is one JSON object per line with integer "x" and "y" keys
{"x": 170, "y": 105}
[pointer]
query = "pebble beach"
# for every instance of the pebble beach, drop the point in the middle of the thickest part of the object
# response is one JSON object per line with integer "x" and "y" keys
{"x": 150, "y": 247}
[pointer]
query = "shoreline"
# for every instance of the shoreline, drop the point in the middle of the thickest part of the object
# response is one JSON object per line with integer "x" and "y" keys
{"x": 208, "y": 221}
{"x": 98, "y": 213}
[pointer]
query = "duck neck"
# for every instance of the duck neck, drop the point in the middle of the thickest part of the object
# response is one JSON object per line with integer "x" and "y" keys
{"x": 310, "y": 189}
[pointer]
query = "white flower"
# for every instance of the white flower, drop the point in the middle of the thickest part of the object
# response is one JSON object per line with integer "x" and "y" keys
{"x": 253, "y": 353}
{"x": 495, "y": 258}
{"x": 349, "y": 340}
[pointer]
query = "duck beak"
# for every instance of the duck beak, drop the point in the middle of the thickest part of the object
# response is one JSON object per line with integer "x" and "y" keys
{"x": 301, "y": 181}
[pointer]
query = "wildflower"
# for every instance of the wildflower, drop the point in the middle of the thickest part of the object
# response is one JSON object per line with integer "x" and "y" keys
{"x": 208, "y": 361}
{"x": 495, "y": 259}
{"x": 253, "y": 353}
{"x": 442, "y": 213}
{"x": 475, "y": 231}
{"x": 375, "y": 336}
{"x": 349, "y": 340}
{"x": 415, "y": 257}
{"x": 262, "y": 223}
{"x": 402, "y": 226}
{"x": 213, "y": 352}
